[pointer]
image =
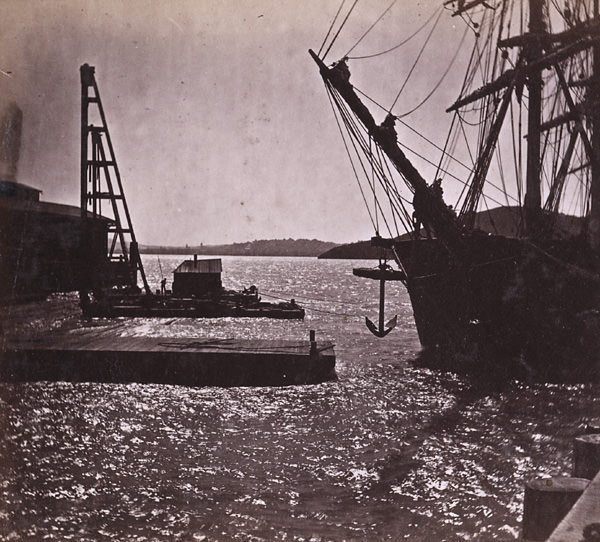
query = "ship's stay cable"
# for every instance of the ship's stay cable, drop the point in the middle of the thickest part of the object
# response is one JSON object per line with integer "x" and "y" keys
{"x": 340, "y": 28}
{"x": 370, "y": 28}
{"x": 284, "y": 296}
{"x": 449, "y": 145}
{"x": 485, "y": 122}
{"x": 372, "y": 183}
{"x": 353, "y": 130}
{"x": 331, "y": 27}
{"x": 313, "y": 309}
{"x": 362, "y": 193}
{"x": 468, "y": 147}
{"x": 357, "y": 138}
{"x": 398, "y": 207}
{"x": 516, "y": 146}
{"x": 500, "y": 171}
{"x": 445, "y": 171}
{"x": 437, "y": 85}
{"x": 417, "y": 31}
{"x": 387, "y": 184}
{"x": 412, "y": 69}
{"x": 404, "y": 123}
{"x": 278, "y": 296}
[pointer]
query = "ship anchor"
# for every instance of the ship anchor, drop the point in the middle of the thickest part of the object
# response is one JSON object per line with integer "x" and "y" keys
{"x": 381, "y": 273}
{"x": 381, "y": 331}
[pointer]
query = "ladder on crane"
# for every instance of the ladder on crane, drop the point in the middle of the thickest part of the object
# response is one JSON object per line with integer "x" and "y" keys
{"x": 101, "y": 181}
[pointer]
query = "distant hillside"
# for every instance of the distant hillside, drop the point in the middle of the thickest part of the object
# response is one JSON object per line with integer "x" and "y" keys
{"x": 501, "y": 220}
{"x": 272, "y": 247}
{"x": 361, "y": 250}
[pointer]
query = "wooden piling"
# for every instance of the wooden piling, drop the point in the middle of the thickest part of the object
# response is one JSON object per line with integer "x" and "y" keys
{"x": 313, "y": 343}
{"x": 586, "y": 456}
{"x": 582, "y": 523}
{"x": 547, "y": 502}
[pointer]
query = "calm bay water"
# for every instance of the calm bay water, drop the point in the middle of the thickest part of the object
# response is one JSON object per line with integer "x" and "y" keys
{"x": 390, "y": 451}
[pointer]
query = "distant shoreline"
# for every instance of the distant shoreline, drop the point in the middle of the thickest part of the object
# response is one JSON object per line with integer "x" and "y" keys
{"x": 270, "y": 247}
{"x": 502, "y": 221}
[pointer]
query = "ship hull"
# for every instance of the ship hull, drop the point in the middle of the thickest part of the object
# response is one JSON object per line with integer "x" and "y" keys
{"x": 514, "y": 305}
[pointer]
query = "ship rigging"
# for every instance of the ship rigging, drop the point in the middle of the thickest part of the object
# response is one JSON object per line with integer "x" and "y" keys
{"x": 530, "y": 94}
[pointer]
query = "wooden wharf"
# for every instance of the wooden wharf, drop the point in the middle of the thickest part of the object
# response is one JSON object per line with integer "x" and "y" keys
{"x": 96, "y": 356}
{"x": 561, "y": 509}
{"x": 583, "y": 520}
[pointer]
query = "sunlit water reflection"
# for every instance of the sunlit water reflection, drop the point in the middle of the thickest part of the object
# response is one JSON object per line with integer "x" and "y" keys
{"x": 389, "y": 451}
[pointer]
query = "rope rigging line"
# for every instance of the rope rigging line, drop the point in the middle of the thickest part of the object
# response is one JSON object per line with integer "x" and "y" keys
{"x": 357, "y": 138}
{"x": 329, "y": 94}
{"x": 340, "y": 29}
{"x": 370, "y": 28}
{"x": 362, "y": 143}
{"x": 416, "y": 61}
{"x": 446, "y": 172}
{"x": 353, "y": 129}
{"x": 400, "y": 44}
{"x": 442, "y": 150}
{"x": 440, "y": 80}
{"x": 516, "y": 145}
{"x": 387, "y": 188}
{"x": 466, "y": 139}
{"x": 372, "y": 183}
{"x": 395, "y": 199}
{"x": 445, "y": 157}
{"x": 341, "y": 314}
{"x": 331, "y": 27}
{"x": 288, "y": 296}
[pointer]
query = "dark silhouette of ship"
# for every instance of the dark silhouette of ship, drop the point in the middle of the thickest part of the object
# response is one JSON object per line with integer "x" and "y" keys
{"x": 525, "y": 304}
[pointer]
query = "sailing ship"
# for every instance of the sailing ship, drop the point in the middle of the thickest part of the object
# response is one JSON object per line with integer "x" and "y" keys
{"x": 525, "y": 302}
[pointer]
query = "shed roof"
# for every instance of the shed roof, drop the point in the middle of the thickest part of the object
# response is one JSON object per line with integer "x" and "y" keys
{"x": 200, "y": 266}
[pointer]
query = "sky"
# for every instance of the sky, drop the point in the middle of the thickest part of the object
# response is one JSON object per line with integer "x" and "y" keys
{"x": 221, "y": 125}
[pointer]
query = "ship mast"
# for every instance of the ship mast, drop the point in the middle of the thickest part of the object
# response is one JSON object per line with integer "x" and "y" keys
{"x": 533, "y": 52}
{"x": 594, "y": 224}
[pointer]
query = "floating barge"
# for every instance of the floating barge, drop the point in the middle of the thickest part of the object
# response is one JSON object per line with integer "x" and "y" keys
{"x": 197, "y": 292}
{"x": 102, "y": 357}
{"x": 110, "y": 287}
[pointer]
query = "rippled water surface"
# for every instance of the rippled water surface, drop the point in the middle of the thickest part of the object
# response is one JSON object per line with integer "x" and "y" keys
{"x": 388, "y": 452}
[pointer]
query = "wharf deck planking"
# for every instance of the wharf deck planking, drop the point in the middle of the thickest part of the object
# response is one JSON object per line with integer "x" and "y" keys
{"x": 84, "y": 355}
{"x": 583, "y": 520}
